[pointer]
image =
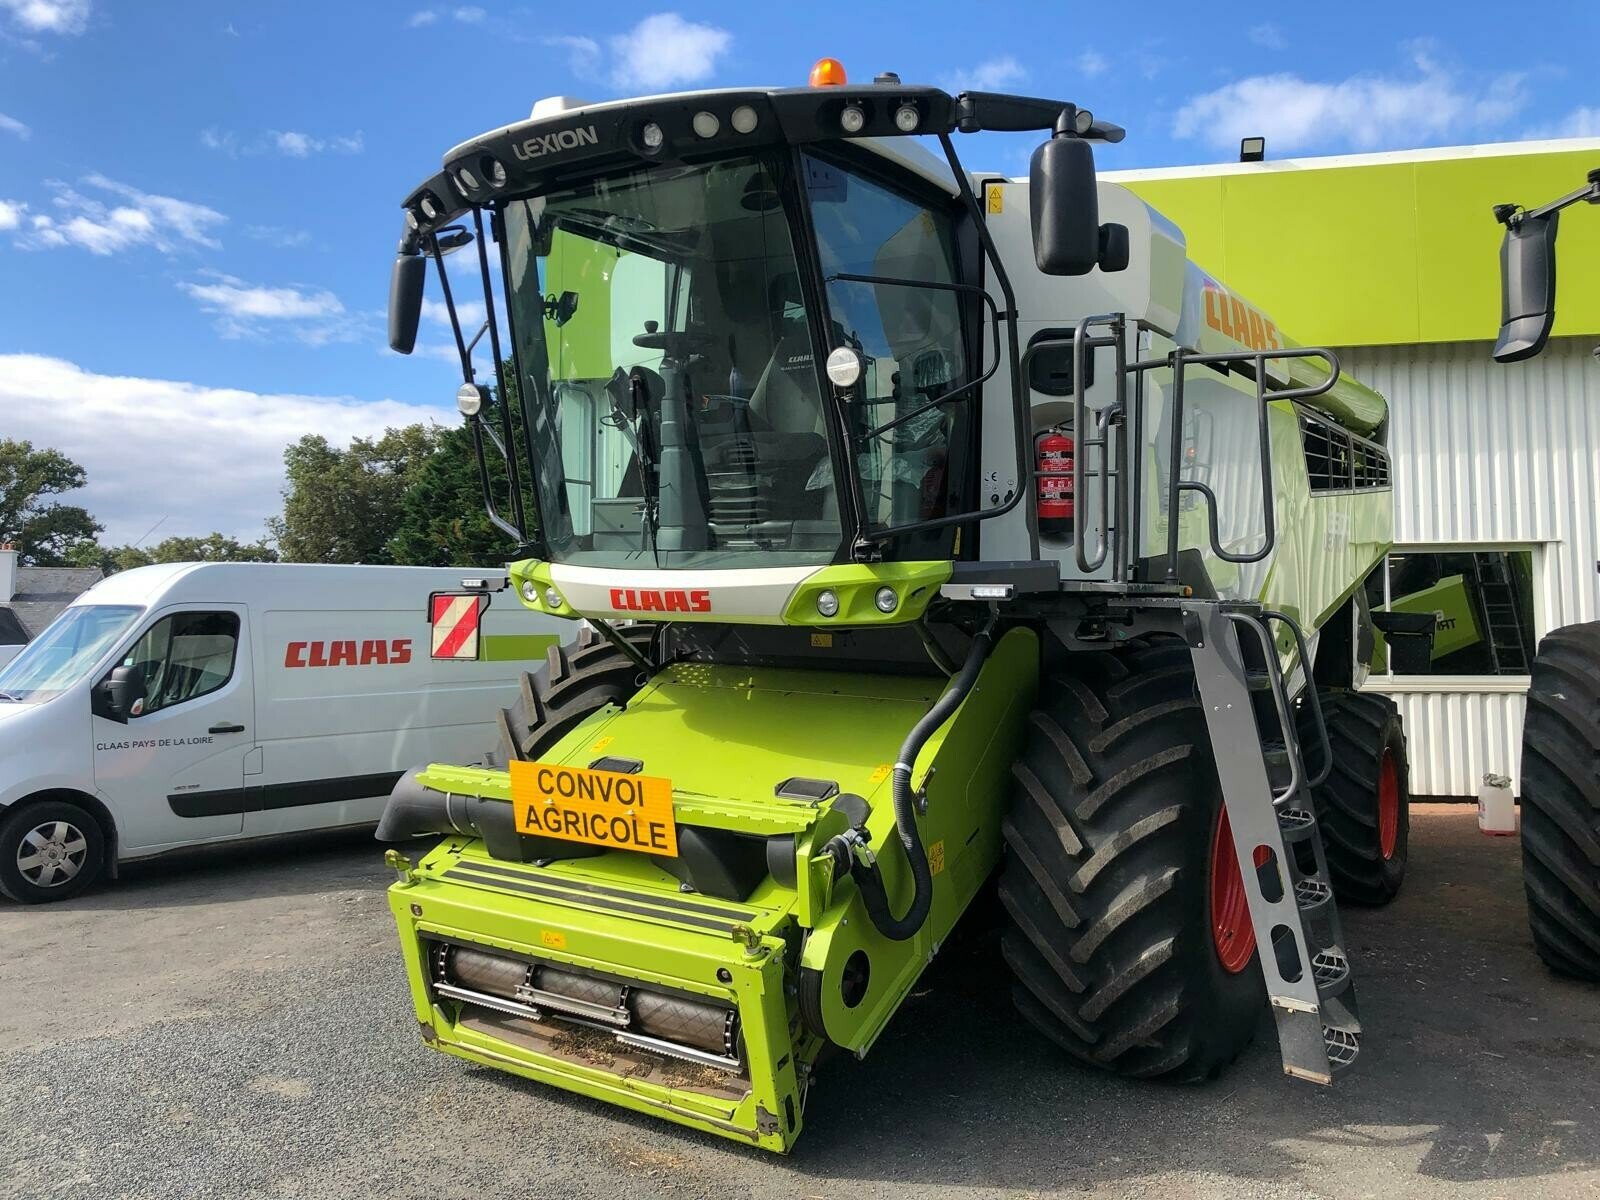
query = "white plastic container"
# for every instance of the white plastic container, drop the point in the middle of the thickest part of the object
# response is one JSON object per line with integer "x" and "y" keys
{"x": 1497, "y": 810}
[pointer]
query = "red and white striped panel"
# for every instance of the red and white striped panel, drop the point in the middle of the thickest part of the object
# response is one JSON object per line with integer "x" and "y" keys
{"x": 455, "y": 626}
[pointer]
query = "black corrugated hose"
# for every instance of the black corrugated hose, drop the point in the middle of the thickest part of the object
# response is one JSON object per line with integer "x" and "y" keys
{"x": 867, "y": 876}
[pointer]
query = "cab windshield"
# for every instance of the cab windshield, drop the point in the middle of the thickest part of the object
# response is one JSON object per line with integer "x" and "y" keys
{"x": 669, "y": 383}
{"x": 66, "y": 651}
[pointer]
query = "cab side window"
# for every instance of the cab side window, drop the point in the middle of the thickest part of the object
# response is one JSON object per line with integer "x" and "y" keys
{"x": 184, "y": 656}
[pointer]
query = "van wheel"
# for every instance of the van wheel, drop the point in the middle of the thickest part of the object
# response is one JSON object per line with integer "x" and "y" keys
{"x": 574, "y": 682}
{"x": 49, "y": 851}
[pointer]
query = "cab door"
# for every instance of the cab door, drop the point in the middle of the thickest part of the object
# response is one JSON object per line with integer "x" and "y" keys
{"x": 174, "y": 774}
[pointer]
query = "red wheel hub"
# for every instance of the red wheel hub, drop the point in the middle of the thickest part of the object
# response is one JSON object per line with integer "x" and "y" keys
{"x": 1388, "y": 804}
{"x": 1231, "y": 931}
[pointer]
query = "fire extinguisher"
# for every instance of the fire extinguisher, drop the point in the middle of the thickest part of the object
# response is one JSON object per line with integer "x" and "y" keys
{"x": 1053, "y": 451}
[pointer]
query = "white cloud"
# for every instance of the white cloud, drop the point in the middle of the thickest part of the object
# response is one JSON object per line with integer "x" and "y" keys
{"x": 1092, "y": 63}
{"x": 663, "y": 50}
{"x": 471, "y": 314}
{"x": 583, "y": 53}
{"x": 313, "y": 316}
{"x": 1267, "y": 35}
{"x": 102, "y": 227}
{"x": 12, "y": 125}
{"x": 48, "y": 16}
{"x": 1579, "y": 123}
{"x": 11, "y": 213}
{"x": 1367, "y": 112}
{"x": 225, "y": 445}
{"x": 299, "y": 145}
{"x": 467, "y": 14}
{"x": 276, "y": 235}
{"x": 991, "y": 75}
{"x": 290, "y": 143}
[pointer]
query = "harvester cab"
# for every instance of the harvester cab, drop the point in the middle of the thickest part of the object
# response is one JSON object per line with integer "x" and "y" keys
{"x": 929, "y": 528}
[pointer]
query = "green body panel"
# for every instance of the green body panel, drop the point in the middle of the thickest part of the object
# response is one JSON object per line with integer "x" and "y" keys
{"x": 726, "y": 736}
{"x": 857, "y": 585}
{"x": 517, "y": 647}
{"x": 1455, "y": 629}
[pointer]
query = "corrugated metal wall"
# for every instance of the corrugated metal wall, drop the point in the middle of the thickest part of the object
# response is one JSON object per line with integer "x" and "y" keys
{"x": 1485, "y": 453}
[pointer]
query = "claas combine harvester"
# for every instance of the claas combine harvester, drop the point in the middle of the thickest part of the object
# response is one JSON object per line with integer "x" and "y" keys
{"x": 933, "y": 531}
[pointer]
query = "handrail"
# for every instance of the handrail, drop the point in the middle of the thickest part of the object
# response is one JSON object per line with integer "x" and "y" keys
{"x": 1180, "y": 359}
{"x": 1313, "y": 700}
{"x": 1280, "y": 700}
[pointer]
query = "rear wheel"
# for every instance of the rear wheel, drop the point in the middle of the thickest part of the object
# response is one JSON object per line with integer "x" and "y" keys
{"x": 1128, "y": 935}
{"x": 574, "y": 681}
{"x": 1561, "y": 801}
{"x": 1363, "y": 806}
{"x": 49, "y": 851}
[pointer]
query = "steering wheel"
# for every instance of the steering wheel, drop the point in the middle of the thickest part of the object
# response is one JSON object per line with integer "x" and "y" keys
{"x": 675, "y": 343}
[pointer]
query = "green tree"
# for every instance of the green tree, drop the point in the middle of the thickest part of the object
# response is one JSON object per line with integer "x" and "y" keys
{"x": 443, "y": 522}
{"x": 43, "y": 530}
{"x": 214, "y": 547}
{"x": 344, "y": 506}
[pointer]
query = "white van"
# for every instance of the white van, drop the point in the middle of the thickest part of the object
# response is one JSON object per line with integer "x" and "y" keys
{"x": 197, "y": 703}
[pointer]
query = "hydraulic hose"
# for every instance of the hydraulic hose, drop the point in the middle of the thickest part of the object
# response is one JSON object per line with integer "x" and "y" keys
{"x": 867, "y": 875}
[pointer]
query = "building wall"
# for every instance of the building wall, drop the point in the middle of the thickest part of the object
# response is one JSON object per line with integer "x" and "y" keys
{"x": 1488, "y": 455}
{"x": 1380, "y": 249}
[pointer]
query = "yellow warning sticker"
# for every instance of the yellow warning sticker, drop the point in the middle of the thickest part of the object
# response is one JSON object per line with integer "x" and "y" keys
{"x": 882, "y": 773}
{"x": 822, "y": 641}
{"x": 553, "y": 939}
{"x": 995, "y": 197}
{"x": 600, "y": 745}
{"x": 936, "y": 858}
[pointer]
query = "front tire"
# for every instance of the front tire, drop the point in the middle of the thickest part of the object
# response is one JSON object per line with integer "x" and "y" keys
{"x": 49, "y": 851}
{"x": 1125, "y": 945}
{"x": 1561, "y": 801}
{"x": 1363, "y": 807}
{"x": 575, "y": 681}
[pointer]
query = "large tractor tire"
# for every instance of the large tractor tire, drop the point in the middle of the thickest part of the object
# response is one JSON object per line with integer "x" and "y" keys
{"x": 1129, "y": 934}
{"x": 1363, "y": 805}
{"x": 575, "y": 681}
{"x": 1561, "y": 801}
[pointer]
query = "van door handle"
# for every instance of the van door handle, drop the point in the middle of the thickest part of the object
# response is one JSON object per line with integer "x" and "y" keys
{"x": 226, "y": 729}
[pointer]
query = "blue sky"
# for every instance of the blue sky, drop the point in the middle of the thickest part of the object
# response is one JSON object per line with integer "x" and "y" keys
{"x": 198, "y": 201}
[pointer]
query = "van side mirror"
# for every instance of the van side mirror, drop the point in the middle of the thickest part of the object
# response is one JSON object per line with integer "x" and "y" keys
{"x": 119, "y": 695}
{"x": 1064, "y": 204}
{"x": 1527, "y": 286}
{"x": 405, "y": 300}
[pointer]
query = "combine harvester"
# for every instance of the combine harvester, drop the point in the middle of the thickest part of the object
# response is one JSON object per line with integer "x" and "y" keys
{"x": 935, "y": 528}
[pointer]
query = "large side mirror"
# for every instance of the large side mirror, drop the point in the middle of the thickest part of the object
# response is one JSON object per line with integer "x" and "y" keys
{"x": 1527, "y": 287}
{"x": 119, "y": 695}
{"x": 1065, "y": 207}
{"x": 405, "y": 300}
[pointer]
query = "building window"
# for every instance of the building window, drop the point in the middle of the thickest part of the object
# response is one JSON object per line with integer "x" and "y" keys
{"x": 1454, "y": 611}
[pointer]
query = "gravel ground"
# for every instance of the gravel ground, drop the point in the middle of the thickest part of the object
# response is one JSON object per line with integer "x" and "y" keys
{"x": 238, "y": 1025}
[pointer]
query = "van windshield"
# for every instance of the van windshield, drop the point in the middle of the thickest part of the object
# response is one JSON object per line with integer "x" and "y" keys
{"x": 69, "y": 648}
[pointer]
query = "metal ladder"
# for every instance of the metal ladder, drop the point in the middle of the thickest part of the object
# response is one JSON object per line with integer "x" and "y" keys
{"x": 1267, "y": 791}
{"x": 1501, "y": 613}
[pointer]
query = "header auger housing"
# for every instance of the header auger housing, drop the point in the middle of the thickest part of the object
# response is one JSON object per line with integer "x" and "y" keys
{"x": 928, "y": 528}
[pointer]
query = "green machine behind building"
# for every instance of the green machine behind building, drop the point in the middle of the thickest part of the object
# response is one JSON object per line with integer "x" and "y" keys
{"x": 933, "y": 532}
